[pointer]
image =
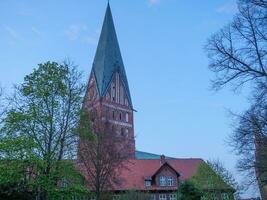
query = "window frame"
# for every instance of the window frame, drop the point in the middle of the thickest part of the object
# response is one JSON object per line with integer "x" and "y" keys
{"x": 173, "y": 196}
{"x": 170, "y": 181}
{"x": 127, "y": 117}
{"x": 162, "y": 196}
{"x": 162, "y": 181}
{"x": 225, "y": 196}
{"x": 116, "y": 197}
{"x": 148, "y": 185}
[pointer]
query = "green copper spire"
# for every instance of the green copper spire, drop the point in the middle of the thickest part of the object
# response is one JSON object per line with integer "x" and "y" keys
{"x": 108, "y": 59}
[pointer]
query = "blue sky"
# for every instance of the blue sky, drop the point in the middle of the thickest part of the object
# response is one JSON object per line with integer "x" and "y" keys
{"x": 162, "y": 47}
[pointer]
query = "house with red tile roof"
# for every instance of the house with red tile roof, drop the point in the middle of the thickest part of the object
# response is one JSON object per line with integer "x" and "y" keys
{"x": 108, "y": 92}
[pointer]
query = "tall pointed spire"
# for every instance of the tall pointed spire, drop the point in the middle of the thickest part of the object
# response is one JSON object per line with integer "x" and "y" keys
{"x": 108, "y": 59}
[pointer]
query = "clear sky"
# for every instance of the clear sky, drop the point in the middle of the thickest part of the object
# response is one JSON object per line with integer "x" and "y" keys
{"x": 162, "y": 47}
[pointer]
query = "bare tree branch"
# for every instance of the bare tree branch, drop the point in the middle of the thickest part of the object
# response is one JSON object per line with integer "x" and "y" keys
{"x": 102, "y": 153}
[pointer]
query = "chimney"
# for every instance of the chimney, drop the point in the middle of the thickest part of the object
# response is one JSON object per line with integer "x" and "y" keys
{"x": 162, "y": 159}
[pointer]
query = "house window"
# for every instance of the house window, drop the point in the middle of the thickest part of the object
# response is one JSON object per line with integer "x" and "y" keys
{"x": 162, "y": 181}
{"x": 152, "y": 197}
{"x": 224, "y": 196}
{"x": 120, "y": 116}
{"x": 116, "y": 197}
{"x": 173, "y": 197}
{"x": 204, "y": 198}
{"x": 214, "y": 196}
{"x": 162, "y": 197}
{"x": 122, "y": 132}
{"x": 92, "y": 198}
{"x": 64, "y": 183}
{"x": 127, "y": 117}
{"x": 147, "y": 183}
{"x": 170, "y": 181}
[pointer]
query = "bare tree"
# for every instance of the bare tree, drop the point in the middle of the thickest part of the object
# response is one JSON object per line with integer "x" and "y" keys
{"x": 218, "y": 167}
{"x": 250, "y": 143}
{"x": 238, "y": 55}
{"x": 1, "y": 103}
{"x": 260, "y": 3}
{"x": 238, "y": 52}
{"x": 46, "y": 109}
{"x": 102, "y": 153}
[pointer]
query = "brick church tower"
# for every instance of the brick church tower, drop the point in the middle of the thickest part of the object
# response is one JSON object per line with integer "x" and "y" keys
{"x": 108, "y": 92}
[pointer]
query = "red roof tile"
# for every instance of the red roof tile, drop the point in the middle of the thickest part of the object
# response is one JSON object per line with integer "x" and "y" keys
{"x": 132, "y": 177}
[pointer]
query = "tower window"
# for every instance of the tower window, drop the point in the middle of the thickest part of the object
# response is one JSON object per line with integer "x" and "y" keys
{"x": 113, "y": 92}
{"x": 122, "y": 132}
{"x": 126, "y": 102}
{"x": 121, "y": 94}
{"x": 127, "y": 132}
{"x": 120, "y": 116}
{"x": 127, "y": 117}
{"x": 113, "y": 114}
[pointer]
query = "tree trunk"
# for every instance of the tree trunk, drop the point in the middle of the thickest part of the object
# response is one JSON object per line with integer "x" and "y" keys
{"x": 261, "y": 165}
{"x": 264, "y": 192}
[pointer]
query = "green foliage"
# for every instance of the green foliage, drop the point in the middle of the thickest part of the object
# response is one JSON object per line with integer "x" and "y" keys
{"x": 213, "y": 179}
{"x": 37, "y": 134}
{"x": 206, "y": 178}
{"x": 188, "y": 191}
{"x": 84, "y": 129}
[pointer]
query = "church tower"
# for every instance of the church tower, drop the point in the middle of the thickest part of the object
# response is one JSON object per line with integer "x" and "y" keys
{"x": 108, "y": 91}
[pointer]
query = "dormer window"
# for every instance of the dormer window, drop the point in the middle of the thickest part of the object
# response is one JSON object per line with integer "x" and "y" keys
{"x": 162, "y": 181}
{"x": 147, "y": 183}
{"x": 170, "y": 181}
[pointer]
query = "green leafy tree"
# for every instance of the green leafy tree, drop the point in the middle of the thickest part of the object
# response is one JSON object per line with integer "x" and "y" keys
{"x": 214, "y": 180}
{"x": 38, "y": 130}
{"x": 188, "y": 191}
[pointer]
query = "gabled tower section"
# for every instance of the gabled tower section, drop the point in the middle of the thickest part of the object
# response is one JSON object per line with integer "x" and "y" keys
{"x": 108, "y": 91}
